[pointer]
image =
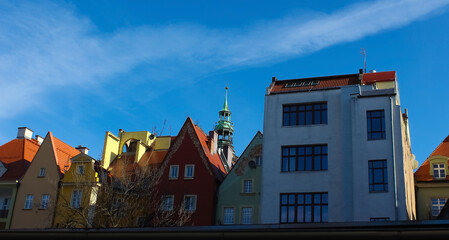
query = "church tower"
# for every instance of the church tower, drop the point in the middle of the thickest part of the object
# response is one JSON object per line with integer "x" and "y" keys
{"x": 225, "y": 131}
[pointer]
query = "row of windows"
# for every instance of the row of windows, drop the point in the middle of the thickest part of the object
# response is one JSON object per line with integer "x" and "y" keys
{"x": 79, "y": 170}
{"x": 246, "y": 216}
{"x": 45, "y": 198}
{"x": 304, "y": 158}
{"x": 189, "y": 171}
{"x": 303, "y": 207}
{"x": 316, "y": 113}
{"x": 189, "y": 203}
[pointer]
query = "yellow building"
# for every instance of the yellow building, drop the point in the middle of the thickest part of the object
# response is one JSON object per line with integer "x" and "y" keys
{"x": 78, "y": 194}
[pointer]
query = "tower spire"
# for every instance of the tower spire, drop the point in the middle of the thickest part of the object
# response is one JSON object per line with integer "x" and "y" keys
{"x": 225, "y": 131}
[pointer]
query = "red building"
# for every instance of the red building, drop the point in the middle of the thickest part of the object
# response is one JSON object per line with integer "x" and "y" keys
{"x": 191, "y": 173}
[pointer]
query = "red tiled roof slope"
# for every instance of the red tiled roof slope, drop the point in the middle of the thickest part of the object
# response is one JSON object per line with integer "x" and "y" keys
{"x": 423, "y": 172}
{"x": 63, "y": 153}
{"x": 16, "y": 156}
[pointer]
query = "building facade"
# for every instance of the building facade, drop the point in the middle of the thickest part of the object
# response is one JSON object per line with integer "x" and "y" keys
{"x": 239, "y": 193}
{"x": 36, "y": 197}
{"x": 432, "y": 183}
{"x": 336, "y": 149}
{"x": 15, "y": 158}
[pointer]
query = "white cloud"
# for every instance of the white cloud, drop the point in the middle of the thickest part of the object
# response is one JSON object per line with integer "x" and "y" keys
{"x": 46, "y": 47}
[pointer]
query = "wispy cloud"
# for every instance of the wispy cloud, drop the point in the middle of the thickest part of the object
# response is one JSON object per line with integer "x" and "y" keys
{"x": 46, "y": 47}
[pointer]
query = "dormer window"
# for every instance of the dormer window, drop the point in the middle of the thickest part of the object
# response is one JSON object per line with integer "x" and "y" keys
{"x": 439, "y": 171}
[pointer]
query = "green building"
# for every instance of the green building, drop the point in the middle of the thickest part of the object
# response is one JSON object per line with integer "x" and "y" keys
{"x": 239, "y": 193}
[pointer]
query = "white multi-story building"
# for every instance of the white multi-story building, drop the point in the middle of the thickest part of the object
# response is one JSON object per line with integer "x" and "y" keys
{"x": 336, "y": 149}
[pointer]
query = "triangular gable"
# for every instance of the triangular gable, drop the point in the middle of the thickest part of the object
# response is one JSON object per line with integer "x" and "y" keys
{"x": 63, "y": 153}
{"x": 212, "y": 162}
{"x": 422, "y": 174}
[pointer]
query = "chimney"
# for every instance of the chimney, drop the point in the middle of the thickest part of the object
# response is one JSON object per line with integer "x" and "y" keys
{"x": 24, "y": 132}
{"x": 82, "y": 149}
{"x": 360, "y": 70}
{"x": 273, "y": 79}
{"x": 39, "y": 139}
{"x": 212, "y": 142}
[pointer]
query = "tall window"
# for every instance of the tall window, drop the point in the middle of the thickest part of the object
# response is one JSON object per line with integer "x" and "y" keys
{"x": 28, "y": 201}
{"x": 439, "y": 171}
{"x": 42, "y": 172}
{"x": 247, "y": 186}
{"x": 304, "y": 114}
{"x": 228, "y": 215}
{"x": 190, "y": 202}
{"x": 189, "y": 171}
{"x": 303, "y": 207}
{"x": 80, "y": 169}
{"x": 44, "y": 201}
{"x": 304, "y": 158}
{"x": 173, "y": 174}
{"x": 376, "y": 124}
{"x": 167, "y": 202}
{"x": 247, "y": 215}
{"x": 437, "y": 205}
{"x": 378, "y": 177}
{"x": 75, "y": 201}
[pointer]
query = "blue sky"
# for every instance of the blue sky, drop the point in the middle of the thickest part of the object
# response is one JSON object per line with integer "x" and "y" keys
{"x": 81, "y": 68}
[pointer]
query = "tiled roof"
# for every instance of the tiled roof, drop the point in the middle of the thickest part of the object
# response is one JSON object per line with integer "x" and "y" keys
{"x": 328, "y": 82}
{"x": 423, "y": 172}
{"x": 63, "y": 153}
{"x": 214, "y": 159}
{"x": 16, "y": 156}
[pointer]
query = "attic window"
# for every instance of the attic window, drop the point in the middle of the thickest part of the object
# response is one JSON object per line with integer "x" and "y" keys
{"x": 301, "y": 83}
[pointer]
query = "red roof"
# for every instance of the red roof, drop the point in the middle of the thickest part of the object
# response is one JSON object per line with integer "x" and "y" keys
{"x": 16, "y": 156}
{"x": 423, "y": 172}
{"x": 328, "y": 82}
{"x": 63, "y": 153}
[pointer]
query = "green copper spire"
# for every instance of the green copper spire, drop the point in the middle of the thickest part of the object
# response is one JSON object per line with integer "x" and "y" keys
{"x": 225, "y": 105}
{"x": 224, "y": 127}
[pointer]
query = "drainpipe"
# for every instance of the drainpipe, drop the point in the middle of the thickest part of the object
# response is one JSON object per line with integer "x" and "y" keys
{"x": 394, "y": 161}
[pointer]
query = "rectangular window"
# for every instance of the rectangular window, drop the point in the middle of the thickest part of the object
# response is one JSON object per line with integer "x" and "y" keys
{"x": 437, "y": 205}
{"x": 28, "y": 201}
{"x": 376, "y": 124}
{"x": 80, "y": 169}
{"x": 5, "y": 205}
{"x": 189, "y": 171}
{"x": 304, "y": 114}
{"x": 75, "y": 201}
{"x": 173, "y": 174}
{"x": 44, "y": 201}
{"x": 247, "y": 215}
{"x": 439, "y": 171}
{"x": 42, "y": 172}
{"x": 258, "y": 160}
{"x": 378, "y": 177}
{"x": 167, "y": 203}
{"x": 303, "y": 207}
{"x": 190, "y": 202}
{"x": 304, "y": 158}
{"x": 247, "y": 186}
{"x": 228, "y": 215}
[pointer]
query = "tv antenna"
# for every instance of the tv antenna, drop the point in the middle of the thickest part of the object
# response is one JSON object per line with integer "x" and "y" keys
{"x": 362, "y": 51}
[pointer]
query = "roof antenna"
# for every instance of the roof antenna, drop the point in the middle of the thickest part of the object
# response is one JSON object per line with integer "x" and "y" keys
{"x": 362, "y": 51}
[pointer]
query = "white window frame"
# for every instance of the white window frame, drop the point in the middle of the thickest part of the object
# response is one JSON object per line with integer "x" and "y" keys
{"x": 247, "y": 218}
{"x": 192, "y": 207}
{"x": 228, "y": 216}
{"x": 258, "y": 161}
{"x": 436, "y": 204}
{"x": 76, "y": 198}
{"x": 172, "y": 176}
{"x": 44, "y": 201}
{"x": 247, "y": 188}
{"x": 186, "y": 171}
{"x": 42, "y": 172}
{"x": 440, "y": 169}
{"x": 168, "y": 205}
{"x": 28, "y": 201}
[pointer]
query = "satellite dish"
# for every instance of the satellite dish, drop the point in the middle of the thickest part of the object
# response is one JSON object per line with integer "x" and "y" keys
{"x": 252, "y": 164}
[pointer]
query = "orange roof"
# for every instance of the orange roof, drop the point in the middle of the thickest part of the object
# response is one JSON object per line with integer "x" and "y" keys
{"x": 328, "y": 82}
{"x": 16, "y": 155}
{"x": 423, "y": 172}
{"x": 63, "y": 153}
